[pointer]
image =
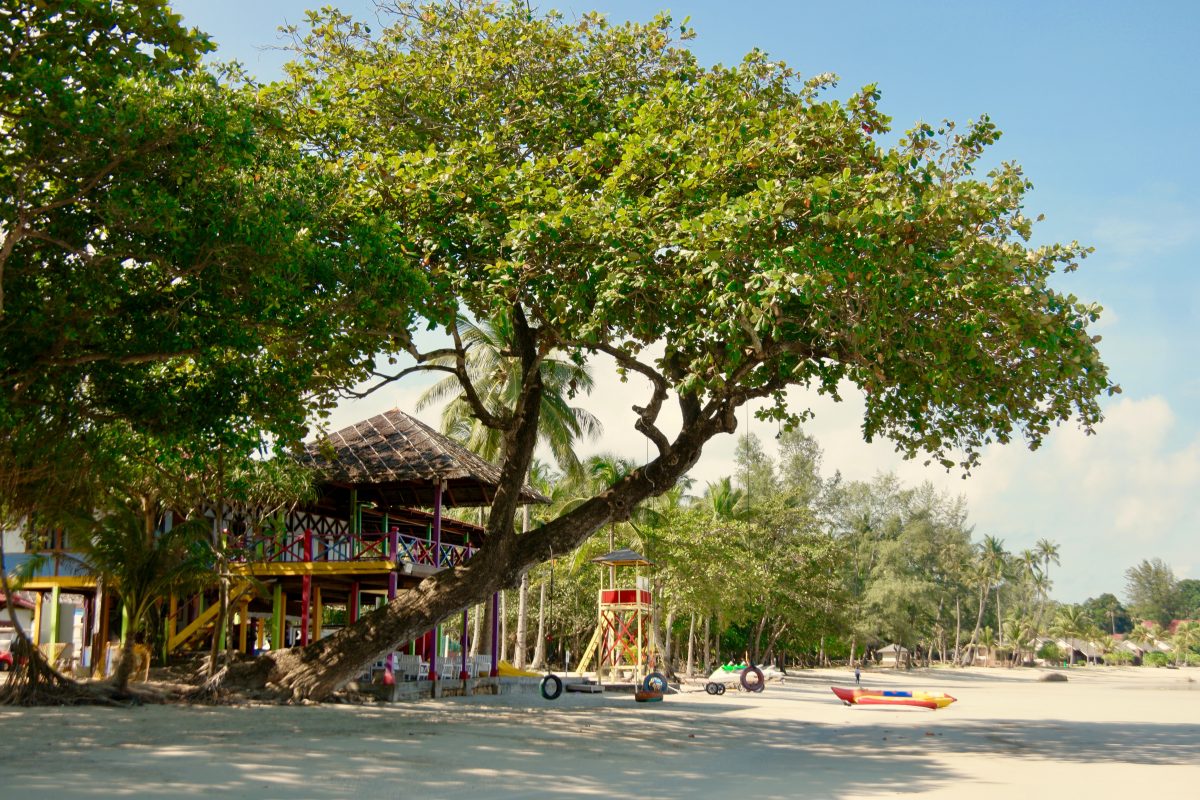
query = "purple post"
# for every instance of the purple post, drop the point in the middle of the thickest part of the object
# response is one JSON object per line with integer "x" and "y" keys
{"x": 437, "y": 562}
{"x": 496, "y": 635}
{"x": 462, "y": 643}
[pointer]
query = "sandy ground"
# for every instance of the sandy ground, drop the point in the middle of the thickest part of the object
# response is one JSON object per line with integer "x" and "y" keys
{"x": 1107, "y": 733}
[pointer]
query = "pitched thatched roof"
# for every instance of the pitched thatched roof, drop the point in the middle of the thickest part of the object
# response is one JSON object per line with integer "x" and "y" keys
{"x": 396, "y": 459}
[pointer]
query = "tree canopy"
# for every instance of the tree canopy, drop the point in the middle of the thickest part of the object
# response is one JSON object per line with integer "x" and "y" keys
{"x": 169, "y": 254}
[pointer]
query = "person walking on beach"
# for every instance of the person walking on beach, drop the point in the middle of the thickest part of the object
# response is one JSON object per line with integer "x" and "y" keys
{"x": 857, "y": 676}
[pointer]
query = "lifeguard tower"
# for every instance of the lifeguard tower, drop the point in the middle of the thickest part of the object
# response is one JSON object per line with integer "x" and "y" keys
{"x": 622, "y": 642}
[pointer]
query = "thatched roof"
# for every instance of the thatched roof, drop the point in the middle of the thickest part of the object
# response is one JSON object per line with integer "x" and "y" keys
{"x": 395, "y": 459}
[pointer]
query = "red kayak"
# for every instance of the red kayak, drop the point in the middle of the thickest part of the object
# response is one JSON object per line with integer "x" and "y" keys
{"x": 889, "y": 697}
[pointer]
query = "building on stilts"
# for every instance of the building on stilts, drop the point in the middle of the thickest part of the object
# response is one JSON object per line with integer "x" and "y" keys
{"x": 379, "y": 524}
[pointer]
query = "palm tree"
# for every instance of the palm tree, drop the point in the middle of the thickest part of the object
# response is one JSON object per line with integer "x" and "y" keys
{"x": 987, "y": 569}
{"x": 1048, "y": 552}
{"x": 142, "y": 565}
{"x": 1187, "y": 635}
{"x": 1070, "y": 623}
{"x": 496, "y": 376}
{"x": 725, "y": 501}
{"x": 987, "y": 640}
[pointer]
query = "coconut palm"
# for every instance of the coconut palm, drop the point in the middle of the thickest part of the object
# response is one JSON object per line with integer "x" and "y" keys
{"x": 725, "y": 501}
{"x": 1071, "y": 622}
{"x": 142, "y": 565}
{"x": 496, "y": 376}
{"x": 1187, "y": 636}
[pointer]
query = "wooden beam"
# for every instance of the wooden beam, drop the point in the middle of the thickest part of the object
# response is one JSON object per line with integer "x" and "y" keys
{"x": 45, "y": 584}
{"x": 301, "y": 568}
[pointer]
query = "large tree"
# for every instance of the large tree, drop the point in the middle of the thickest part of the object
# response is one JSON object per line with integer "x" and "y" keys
{"x": 722, "y": 233}
{"x": 168, "y": 254}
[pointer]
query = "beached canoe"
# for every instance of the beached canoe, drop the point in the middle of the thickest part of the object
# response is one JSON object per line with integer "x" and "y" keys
{"x": 892, "y": 697}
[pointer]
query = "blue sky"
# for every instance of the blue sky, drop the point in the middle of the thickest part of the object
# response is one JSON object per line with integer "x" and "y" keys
{"x": 1098, "y": 102}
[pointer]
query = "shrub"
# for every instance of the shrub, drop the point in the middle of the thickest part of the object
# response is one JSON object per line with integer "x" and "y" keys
{"x": 1156, "y": 659}
{"x": 1050, "y": 652}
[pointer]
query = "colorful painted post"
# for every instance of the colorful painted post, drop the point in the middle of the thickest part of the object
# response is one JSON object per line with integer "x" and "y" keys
{"x": 172, "y": 622}
{"x": 278, "y": 617}
{"x": 496, "y": 635}
{"x": 389, "y": 670}
{"x": 54, "y": 615}
{"x": 306, "y": 590}
{"x": 318, "y": 613}
{"x": 244, "y": 625}
{"x": 37, "y": 620}
{"x": 437, "y": 563}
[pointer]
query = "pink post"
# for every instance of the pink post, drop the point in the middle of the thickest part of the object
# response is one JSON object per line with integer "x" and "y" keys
{"x": 306, "y": 591}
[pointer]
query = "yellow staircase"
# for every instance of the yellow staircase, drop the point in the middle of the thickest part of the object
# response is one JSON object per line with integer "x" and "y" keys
{"x": 208, "y": 617}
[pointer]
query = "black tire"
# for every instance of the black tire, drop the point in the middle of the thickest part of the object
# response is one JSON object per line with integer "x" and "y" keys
{"x": 712, "y": 687}
{"x": 552, "y": 687}
{"x": 720, "y": 688}
{"x": 753, "y": 686}
{"x": 655, "y": 682}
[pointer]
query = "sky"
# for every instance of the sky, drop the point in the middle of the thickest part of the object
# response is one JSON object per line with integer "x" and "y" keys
{"x": 1098, "y": 102}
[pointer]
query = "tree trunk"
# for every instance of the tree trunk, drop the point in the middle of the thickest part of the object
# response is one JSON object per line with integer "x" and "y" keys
{"x": 691, "y": 647}
{"x": 315, "y": 671}
{"x": 972, "y": 646}
{"x": 502, "y": 645}
{"x": 708, "y": 668}
{"x": 519, "y": 649}
{"x": 476, "y": 622}
{"x": 539, "y": 649}
{"x": 667, "y": 665}
{"x": 957, "y": 629}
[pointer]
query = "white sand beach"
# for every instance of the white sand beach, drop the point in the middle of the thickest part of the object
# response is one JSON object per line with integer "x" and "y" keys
{"x": 1108, "y": 732}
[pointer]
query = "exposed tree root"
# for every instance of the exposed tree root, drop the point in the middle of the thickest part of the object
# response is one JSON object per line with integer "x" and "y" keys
{"x": 35, "y": 682}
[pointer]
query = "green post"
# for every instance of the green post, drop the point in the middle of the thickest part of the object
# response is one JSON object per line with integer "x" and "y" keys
{"x": 356, "y": 513}
{"x": 54, "y": 615}
{"x": 278, "y": 614}
{"x": 125, "y": 632}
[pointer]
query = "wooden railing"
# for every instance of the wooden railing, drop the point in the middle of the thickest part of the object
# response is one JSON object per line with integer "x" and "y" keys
{"x": 307, "y": 546}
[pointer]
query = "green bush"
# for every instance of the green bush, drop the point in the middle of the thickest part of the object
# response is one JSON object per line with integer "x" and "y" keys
{"x": 1156, "y": 659}
{"x": 1117, "y": 657}
{"x": 1050, "y": 652}
{"x": 1192, "y": 660}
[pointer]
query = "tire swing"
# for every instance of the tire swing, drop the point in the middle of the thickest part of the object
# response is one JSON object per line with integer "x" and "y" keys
{"x": 756, "y": 685}
{"x": 655, "y": 682}
{"x": 552, "y": 687}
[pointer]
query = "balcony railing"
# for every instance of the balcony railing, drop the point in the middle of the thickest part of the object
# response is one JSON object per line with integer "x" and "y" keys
{"x": 307, "y": 547}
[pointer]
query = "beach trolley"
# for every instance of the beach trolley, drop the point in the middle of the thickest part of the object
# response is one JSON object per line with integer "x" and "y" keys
{"x": 622, "y": 642}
